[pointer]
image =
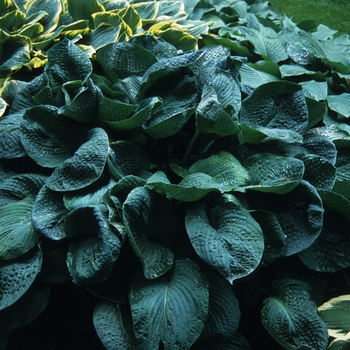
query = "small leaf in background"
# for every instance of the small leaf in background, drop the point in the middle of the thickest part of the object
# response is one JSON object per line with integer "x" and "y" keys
{"x": 331, "y": 250}
{"x": 17, "y": 276}
{"x": 84, "y": 167}
{"x": 291, "y": 317}
{"x": 97, "y": 245}
{"x": 84, "y": 10}
{"x": 215, "y": 234}
{"x": 336, "y": 315}
{"x": 276, "y": 105}
{"x": 342, "y": 181}
{"x": 67, "y": 62}
{"x": 150, "y": 231}
{"x": 272, "y": 173}
{"x": 14, "y": 53}
{"x": 113, "y": 325}
{"x": 314, "y": 89}
{"x": 158, "y": 306}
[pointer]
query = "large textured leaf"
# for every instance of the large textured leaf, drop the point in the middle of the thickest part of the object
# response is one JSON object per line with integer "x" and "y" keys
{"x": 91, "y": 257}
{"x": 265, "y": 40}
{"x": 67, "y": 62}
{"x": 171, "y": 309}
{"x": 86, "y": 165}
{"x": 48, "y": 138}
{"x": 150, "y": 229}
{"x": 17, "y": 233}
{"x": 49, "y": 214}
{"x": 211, "y": 117}
{"x": 299, "y": 213}
{"x": 226, "y": 237}
{"x": 16, "y": 276}
{"x": 113, "y": 325}
{"x": 223, "y": 314}
{"x": 291, "y": 317}
{"x": 123, "y": 59}
{"x": 271, "y": 173}
{"x": 277, "y": 105}
{"x": 126, "y": 158}
{"x": 83, "y": 106}
{"x": 221, "y": 172}
{"x": 330, "y": 252}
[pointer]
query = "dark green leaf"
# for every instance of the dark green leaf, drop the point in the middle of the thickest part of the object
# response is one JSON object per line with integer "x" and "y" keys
{"x": 18, "y": 275}
{"x": 123, "y": 59}
{"x": 84, "y": 10}
{"x": 158, "y": 306}
{"x": 92, "y": 254}
{"x": 86, "y": 165}
{"x": 67, "y": 62}
{"x": 291, "y": 317}
{"x": 276, "y": 105}
{"x": 49, "y": 214}
{"x": 226, "y": 237}
{"x": 271, "y": 173}
{"x": 48, "y": 138}
{"x": 331, "y": 250}
{"x": 150, "y": 230}
{"x": 113, "y": 325}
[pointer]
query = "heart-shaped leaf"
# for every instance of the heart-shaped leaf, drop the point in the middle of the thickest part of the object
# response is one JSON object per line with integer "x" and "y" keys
{"x": 91, "y": 258}
{"x": 271, "y": 173}
{"x": 291, "y": 317}
{"x": 67, "y": 62}
{"x": 276, "y": 105}
{"x": 150, "y": 230}
{"x": 157, "y": 307}
{"x": 84, "y": 167}
{"x": 226, "y": 237}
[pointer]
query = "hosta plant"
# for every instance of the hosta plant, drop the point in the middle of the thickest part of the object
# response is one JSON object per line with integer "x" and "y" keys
{"x": 186, "y": 162}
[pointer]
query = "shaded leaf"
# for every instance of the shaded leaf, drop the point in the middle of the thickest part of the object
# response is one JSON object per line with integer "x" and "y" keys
{"x": 291, "y": 318}
{"x": 157, "y": 307}
{"x": 84, "y": 167}
{"x": 18, "y": 275}
{"x": 218, "y": 234}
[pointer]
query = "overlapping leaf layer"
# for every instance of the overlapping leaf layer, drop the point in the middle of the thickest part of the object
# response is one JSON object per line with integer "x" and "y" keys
{"x": 167, "y": 155}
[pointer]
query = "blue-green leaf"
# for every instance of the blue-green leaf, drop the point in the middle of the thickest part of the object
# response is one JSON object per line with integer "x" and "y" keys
{"x": 84, "y": 167}
{"x": 291, "y": 318}
{"x": 97, "y": 245}
{"x": 226, "y": 237}
{"x": 158, "y": 306}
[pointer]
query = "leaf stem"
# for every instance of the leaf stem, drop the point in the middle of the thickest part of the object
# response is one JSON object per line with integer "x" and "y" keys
{"x": 190, "y": 146}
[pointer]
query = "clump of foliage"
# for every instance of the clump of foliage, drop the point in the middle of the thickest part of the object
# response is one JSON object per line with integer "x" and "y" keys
{"x": 184, "y": 161}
